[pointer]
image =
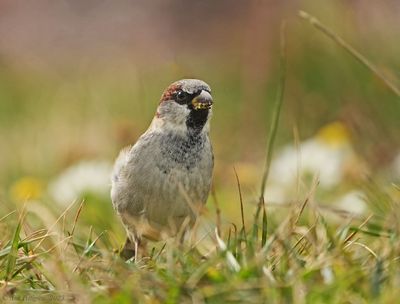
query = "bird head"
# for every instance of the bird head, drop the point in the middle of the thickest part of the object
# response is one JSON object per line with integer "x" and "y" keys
{"x": 186, "y": 106}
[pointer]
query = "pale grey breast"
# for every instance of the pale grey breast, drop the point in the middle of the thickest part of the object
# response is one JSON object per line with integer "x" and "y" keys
{"x": 168, "y": 184}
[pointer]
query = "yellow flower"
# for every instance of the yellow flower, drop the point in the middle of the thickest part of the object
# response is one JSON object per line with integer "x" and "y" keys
{"x": 214, "y": 274}
{"x": 26, "y": 188}
{"x": 334, "y": 134}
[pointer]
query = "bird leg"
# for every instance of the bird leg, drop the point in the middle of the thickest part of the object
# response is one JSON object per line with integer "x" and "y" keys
{"x": 129, "y": 250}
{"x": 133, "y": 249}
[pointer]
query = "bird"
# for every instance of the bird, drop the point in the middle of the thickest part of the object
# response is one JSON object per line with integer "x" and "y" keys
{"x": 160, "y": 184}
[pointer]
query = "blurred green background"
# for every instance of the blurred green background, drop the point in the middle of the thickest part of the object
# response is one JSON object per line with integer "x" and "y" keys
{"x": 81, "y": 79}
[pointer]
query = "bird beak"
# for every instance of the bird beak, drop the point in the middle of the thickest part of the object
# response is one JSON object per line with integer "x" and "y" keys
{"x": 202, "y": 101}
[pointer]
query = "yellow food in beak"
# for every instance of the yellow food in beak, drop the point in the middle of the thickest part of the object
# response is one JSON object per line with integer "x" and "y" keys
{"x": 202, "y": 101}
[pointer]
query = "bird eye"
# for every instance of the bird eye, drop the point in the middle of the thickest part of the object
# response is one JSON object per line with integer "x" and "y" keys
{"x": 180, "y": 96}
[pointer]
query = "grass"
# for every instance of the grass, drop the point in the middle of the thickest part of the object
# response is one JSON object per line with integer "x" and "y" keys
{"x": 302, "y": 252}
{"x": 304, "y": 259}
{"x": 353, "y": 52}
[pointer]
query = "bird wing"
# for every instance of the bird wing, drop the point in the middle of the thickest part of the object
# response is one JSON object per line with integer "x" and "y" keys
{"x": 120, "y": 163}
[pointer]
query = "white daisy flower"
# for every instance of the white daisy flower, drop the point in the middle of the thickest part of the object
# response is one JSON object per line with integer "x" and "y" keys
{"x": 326, "y": 156}
{"x": 352, "y": 202}
{"x": 90, "y": 176}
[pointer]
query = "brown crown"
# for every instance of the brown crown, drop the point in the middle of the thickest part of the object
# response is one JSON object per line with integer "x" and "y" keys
{"x": 169, "y": 92}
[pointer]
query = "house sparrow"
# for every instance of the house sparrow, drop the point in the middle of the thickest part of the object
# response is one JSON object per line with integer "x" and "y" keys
{"x": 160, "y": 183}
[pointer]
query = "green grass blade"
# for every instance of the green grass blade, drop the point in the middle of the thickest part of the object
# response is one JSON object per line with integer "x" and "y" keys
{"x": 352, "y": 51}
{"x": 276, "y": 113}
{"x": 243, "y": 230}
{"x": 264, "y": 227}
{"x": 377, "y": 279}
{"x": 273, "y": 129}
{"x": 13, "y": 254}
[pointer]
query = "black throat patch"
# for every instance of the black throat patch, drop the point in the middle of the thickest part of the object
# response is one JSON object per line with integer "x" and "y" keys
{"x": 196, "y": 120}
